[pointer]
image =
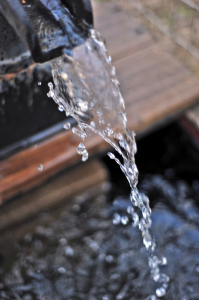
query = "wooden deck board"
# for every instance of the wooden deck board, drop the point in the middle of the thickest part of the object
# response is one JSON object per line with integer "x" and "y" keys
{"x": 153, "y": 83}
{"x": 155, "y": 86}
{"x": 58, "y": 190}
{"x": 122, "y": 34}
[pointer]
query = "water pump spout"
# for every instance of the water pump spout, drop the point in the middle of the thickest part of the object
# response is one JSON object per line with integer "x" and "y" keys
{"x": 38, "y": 31}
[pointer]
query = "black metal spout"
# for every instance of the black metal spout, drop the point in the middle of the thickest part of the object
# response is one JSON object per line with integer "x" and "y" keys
{"x": 39, "y": 30}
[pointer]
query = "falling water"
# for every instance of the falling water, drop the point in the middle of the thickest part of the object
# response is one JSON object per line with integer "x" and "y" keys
{"x": 87, "y": 89}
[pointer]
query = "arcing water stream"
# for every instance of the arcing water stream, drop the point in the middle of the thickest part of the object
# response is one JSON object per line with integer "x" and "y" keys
{"x": 87, "y": 89}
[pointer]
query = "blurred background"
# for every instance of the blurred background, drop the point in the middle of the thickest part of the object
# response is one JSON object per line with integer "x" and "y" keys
{"x": 174, "y": 24}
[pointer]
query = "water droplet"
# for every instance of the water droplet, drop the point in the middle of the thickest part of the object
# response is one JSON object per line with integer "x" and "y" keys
{"x": 61, "y": 107}
{"x": 67, "y": 126}
{"x": 50, "y": 85}
{"x": 109, "y": 259}
{"x": 40, "y": 167}
{"x": 79, "y": 133}
{"x": 164, "y": 261}
{"x": 51, "y": 93}
{"x": 85, "y": 155}
{"x": 92, "y": 123}
{"x": 80, "y": 148}
{"x": 116, "y": 219}
{"x": 69, "y": 252}
{"x": 61, "y": 270}
{"x": 124, "y": 220}
{"x": 135, "y": 218}
{"x": 160, "y": 292}
{"x": 156, "y": 277}
{"x": 130, "y": 210}
{"x": 111, "y": 155}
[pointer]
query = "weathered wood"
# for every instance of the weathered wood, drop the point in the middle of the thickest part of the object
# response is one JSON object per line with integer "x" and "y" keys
{"x": 20, "y": 172}
{"x": 192, "y": 115}
{"x": 155, "y": 86}
{"x": 86, "y": 177}
{"x": 123, "y": 35}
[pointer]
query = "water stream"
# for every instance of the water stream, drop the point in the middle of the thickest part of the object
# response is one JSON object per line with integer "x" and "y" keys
{"x": 86, "y": 88}
{"x": 86, "y": 248}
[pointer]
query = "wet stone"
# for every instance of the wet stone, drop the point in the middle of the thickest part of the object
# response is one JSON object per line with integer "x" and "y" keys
{"x": 69, "y": 252}
{"x": 43, "y": 232}
{"x": 81, "y": 259}
{"x": 109, "y": 259}
{"x": 4, "y": 296}
{"x": 28, "y": 238}
{"x": 61, "y": 270}
{"x": 83, "y": 284}
{"x": 1, "y": 286}
{"x": 63, "y": 241}
{"x": 91, "y": 297}
{"x": 24, "y": 288}
{"x": 27, "y": 297}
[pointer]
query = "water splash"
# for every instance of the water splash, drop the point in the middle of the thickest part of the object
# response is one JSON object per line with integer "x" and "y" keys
{"x": 40, "y": 167}
{"x": 81, "y": 150}
{"x": 87, "y": 89}
{"x": 67, "y": 126}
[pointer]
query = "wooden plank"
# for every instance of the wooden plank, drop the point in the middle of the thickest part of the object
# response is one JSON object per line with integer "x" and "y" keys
{"x": 123, "y": 36}
{"x": 192, "y": 116}
{"x": 139, "y": 61}
{"x": 20, "y": 172}
{"x": 70, "y": 184}
{"x": 143, "y": 117}
{"x": 153, "y": 83}
{"x": 169, "y": 93}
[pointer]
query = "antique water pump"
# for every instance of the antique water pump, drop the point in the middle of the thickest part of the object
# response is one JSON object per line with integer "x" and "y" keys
{"x": 32, "y": 32}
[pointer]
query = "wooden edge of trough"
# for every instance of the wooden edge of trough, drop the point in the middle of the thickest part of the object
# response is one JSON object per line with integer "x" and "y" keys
{"x": 19, "y": 172}
{"x": 85, "y": 179}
